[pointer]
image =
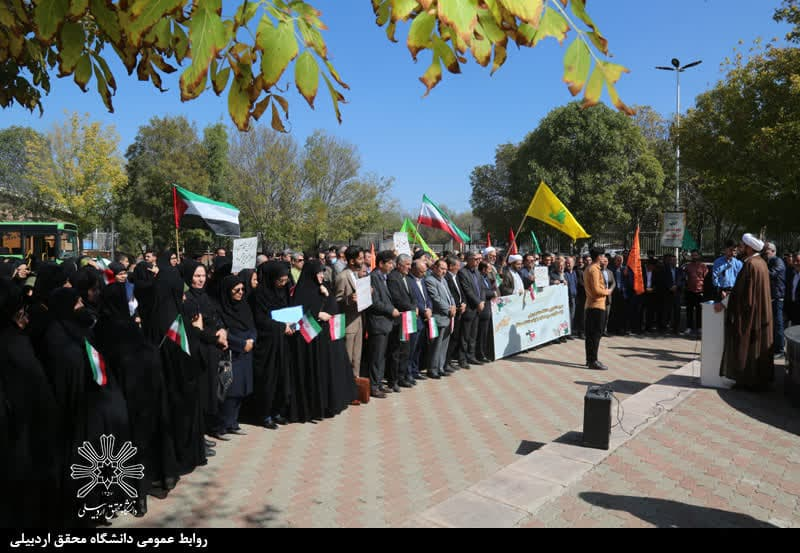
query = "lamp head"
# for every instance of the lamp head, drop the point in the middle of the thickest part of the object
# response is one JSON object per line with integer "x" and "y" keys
{"x": 676, "y": 63}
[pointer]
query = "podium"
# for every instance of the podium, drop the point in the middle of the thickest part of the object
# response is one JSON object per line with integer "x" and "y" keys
{"x": 712, "y": 347}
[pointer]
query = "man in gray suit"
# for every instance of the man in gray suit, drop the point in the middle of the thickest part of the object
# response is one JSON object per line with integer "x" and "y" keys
{"x": 444, "y": 310}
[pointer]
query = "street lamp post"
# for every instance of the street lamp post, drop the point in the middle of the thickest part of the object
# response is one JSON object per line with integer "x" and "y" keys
{"x": 678, "y": 69}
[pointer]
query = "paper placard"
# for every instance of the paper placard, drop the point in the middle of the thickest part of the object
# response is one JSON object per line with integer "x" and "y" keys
{"x": 674, "y": 229}
{"x": 289, "y": 316}
{"x": 364, "y": 293}
{"x": 245, "y": 251}
{"x": 401, "y": 244}
{"x": 541, "y": 277}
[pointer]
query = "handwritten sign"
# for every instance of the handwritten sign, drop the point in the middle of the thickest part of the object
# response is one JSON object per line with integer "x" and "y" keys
{"x": 245, "y": 251}
{"x": 401, "y": 244}
{"x": 364, "y": 293}
{"x": 541, "y": 277}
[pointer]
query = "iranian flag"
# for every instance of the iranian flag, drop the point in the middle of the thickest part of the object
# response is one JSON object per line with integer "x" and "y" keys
{"x": 309, "y": 328}
{"x": 431, "y": 216}
{"x": 98, "y": 364}
{"x": 177, "y": 333}
{"x": 433, "y": 329}
{"x": 409, "y": 321}
{"x": 337, "y": 327}
{"x": 194, "y": 211}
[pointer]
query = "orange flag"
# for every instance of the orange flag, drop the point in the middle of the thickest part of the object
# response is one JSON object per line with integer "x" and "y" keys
{"x": 635, "y": 265}
{"x": 488, "y": 239}
{"x": 372, "y": 263}
{"x": 512, "y": 243}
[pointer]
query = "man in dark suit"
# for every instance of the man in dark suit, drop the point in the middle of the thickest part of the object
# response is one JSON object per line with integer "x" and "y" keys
{"x": 416, "y": 280}
{"x": 381, "y": 317}
{"x": 673, "y": 281}
{"x": 653, "y": 294}
{"x": 403, "y": 300}
{"x": 471, "y": 283}
{"x": 455, "y": 356}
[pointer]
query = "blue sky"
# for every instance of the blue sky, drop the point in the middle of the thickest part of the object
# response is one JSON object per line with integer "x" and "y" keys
{"x": 431, "y": 145}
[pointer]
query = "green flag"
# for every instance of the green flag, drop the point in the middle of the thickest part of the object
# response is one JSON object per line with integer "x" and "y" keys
{"x": 536, "y": 247}
{"x": 408, "y": 227}
{"x": 688, "y": 242}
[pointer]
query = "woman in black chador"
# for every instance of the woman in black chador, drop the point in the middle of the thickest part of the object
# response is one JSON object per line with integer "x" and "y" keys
{"x": 238, "y": 320}
{"x": 90, "y": 402}
{"x": 207, "y": 340}
{"x": 136, "y": 365}
{"x": 30, "y": 462}
{"x": 330, "y": 387}
{"x": 183, "y": 375}
{"x": 272, "y": 359}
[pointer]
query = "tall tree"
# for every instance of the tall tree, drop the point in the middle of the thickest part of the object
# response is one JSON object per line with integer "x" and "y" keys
{"x": 14, "y": 158}
{"x": 265, "y": 184}
{"x": 248, "y": 53}
{"x": 216, "y": 144}
{"x": 78, "y": 169}
{"x": 493, "y": 196}
{"x": 166, "y": 151}
{"x": 340, "y": 202}
{"x": 742, "y": 137}
{"x": 789, "y": 12}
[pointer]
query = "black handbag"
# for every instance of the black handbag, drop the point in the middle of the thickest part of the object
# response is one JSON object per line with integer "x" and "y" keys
{"x": 224, "y": 375}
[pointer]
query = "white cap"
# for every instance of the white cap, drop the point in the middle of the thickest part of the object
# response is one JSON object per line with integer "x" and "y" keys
{"x": 489, "y": 250}
{"x": 753, "y": 242}
{"x": 514, "y": 258}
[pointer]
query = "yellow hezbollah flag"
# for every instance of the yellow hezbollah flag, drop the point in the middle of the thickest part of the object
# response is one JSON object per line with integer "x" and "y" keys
{"x": 546, "y": 207}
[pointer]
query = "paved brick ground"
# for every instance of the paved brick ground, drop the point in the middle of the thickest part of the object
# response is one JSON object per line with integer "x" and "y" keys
{"x": 380, "y": 464}
{"x": 720, "y": 459}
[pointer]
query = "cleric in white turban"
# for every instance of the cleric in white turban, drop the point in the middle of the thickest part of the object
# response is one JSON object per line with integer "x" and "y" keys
{"x": 512, "y": 280}
{"x": 748, "y": 354}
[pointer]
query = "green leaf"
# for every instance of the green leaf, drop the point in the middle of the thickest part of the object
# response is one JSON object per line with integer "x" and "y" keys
{"x": 239, "y": 99}
{"x": 618, "y": 103}
{"x": 313, "y": 39}
{"x": 220, "y": 80}
{"x": 48, "y": 15}
{"x": 482, "y": 51}
{"x": 447, "y": 56}
{"x": 577, "y": 62}
{"x": 146, "y": 13}
{"x": 335, "y": 75}
{"x": 310, "y": 14}
{"x": 107, "y": 19}
{"x": 419, "y": 35}
{"x": 180, "y": 42}
{"x": 488, "y": 27}
{"x": 553, "y": 25}
{"x": 599, "y": 41}
{"x": 529, "y": 11}
{"x": 83, "y": 72}
{"x": 306, "y": 74}
{"x": 500, "y": 55}
{"x": 594, "y": 88}
{"x": 432, "y": 76}
{"x": 382, "y": 11}
{"x": 278, "y": 48}
{"x": 402, "y": 9}
{"x": 102, "y": 89}
{"x": 461, "y": 15}
{"x": 526, "y": 34}
{"x": 245, "y": 12}
{"x": 336, "y": 97}
{"x": 208, "y": 37}
{"x": 78, "y": 7}
{"x": 71, "y": 43}
{"x": 109, "y": 76}
{"x": 579, "y": 9}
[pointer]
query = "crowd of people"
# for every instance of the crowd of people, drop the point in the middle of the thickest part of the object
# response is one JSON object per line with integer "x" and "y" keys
{"x": 429, "y": 318}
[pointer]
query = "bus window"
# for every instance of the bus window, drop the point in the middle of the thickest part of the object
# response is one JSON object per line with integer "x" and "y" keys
{"x": 69, "y": 244}
{"x": 10, "y": 243}
{"x": 42, "y": 246}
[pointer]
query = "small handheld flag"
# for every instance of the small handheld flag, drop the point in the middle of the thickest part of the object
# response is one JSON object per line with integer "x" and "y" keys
{"x": 337, "y": 323}
{"x": 433, "y": 329}
{"x": 309, "y": 328}
{"x": 177, "y": 333}
{"x": 409, "y": 321}
{"x": 97, "y": 363}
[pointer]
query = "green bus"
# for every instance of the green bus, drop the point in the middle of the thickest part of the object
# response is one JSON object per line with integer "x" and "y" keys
{"x": 44, "y": 241}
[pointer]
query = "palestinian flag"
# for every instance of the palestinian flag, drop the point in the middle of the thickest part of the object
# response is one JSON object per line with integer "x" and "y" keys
{"x": 337, "y": 327}
{"x": 431, "y": 216}
{"x": 433, "y": 329}
{"x": 194, "y": 211}
{"x": 309, "y": 328}
{"x": 98, "y": 364}
{"x": 409, "y": 321}
{"x": 177, "y": 333}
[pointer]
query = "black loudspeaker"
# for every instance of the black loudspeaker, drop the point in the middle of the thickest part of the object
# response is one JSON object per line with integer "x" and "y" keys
{"x": 597, "y": 417}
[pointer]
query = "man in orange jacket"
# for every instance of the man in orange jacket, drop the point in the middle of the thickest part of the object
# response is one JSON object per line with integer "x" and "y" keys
{"x": 596, "y": 294}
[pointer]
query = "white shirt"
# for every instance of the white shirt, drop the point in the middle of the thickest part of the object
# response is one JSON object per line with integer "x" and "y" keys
{"x": 519, "y": 287}
{"x": 649, "y": 279}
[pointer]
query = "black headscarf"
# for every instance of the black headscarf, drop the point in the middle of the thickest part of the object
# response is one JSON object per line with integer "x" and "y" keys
{"x": 307, "y": 292}
{"x": 6, "y": 269}
{"x": 49, "y": 277}
{"x": 61, "y": 303}
{"x": 269, "y": 297}
{"x": 10, "y": 301}
{"x": 236, "y": 314}
{"x": 222, "y": 267}
{"x": 114, "y": 303}
{"x": 197, "y": 299}
{"x": 247, "y": 277}
{"x": 84, "y": 280}
{"x": 116, "y": 267}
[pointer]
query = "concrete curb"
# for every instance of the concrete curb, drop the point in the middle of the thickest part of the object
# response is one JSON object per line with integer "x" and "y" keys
{"x": 519, "y": 490}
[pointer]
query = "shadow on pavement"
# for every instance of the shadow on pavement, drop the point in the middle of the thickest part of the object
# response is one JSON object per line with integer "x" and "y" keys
{"x": 657, "y": 353}
{"x": 526, "y": 447}
{"x": 770, "y": 407}
{"x": 625, "y": 387}
{"x": 664, "y": 513}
